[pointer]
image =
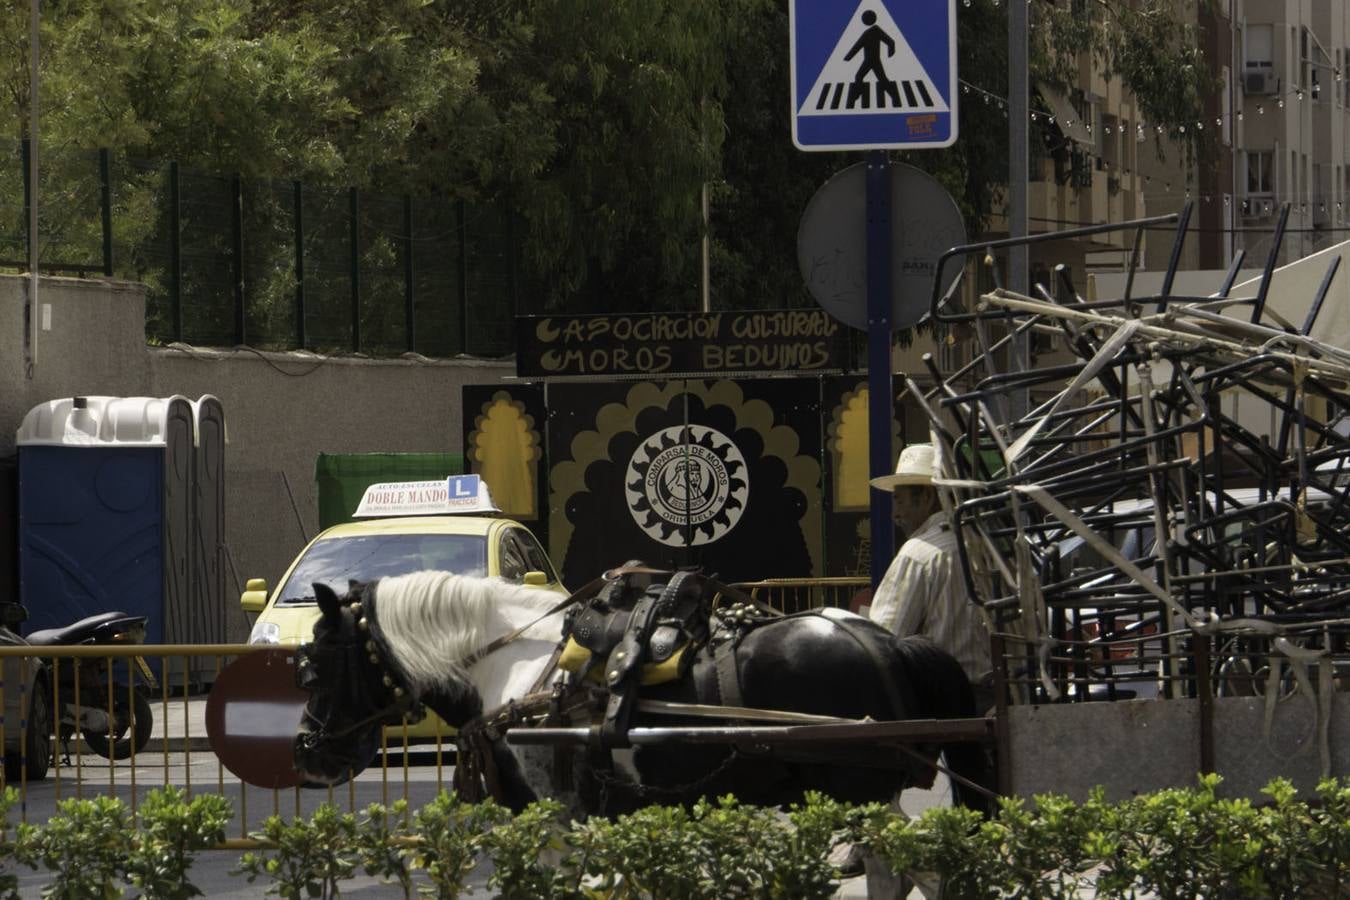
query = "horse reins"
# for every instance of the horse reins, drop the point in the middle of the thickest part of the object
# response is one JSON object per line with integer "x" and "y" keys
{"x": 585, "y": 592}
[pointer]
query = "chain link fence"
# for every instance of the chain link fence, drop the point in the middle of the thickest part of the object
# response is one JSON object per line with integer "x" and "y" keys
{"x": 271, "y": 265}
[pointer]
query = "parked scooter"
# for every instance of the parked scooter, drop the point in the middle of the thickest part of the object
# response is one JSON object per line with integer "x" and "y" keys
{"x": 87, "y": 690}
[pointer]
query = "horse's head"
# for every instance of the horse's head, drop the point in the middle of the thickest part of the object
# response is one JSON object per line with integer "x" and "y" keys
{"x": 355, "y": 688}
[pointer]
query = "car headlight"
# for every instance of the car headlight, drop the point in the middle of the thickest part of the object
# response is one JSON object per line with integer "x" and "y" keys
{"x": 265, "y": 633}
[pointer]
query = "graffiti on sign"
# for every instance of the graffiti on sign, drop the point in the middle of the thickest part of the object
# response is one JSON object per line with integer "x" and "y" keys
{"x": 666, "y": 343}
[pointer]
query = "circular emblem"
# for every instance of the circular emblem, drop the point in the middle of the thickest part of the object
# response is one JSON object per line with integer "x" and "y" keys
{"x": 686, "y": 476}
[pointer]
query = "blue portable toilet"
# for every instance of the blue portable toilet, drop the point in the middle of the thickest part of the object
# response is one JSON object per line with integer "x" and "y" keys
{"x": 105, "y": 509}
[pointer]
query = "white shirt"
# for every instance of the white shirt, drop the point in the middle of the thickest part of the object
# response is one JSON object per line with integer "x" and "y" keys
{"x": 923, "y": 592}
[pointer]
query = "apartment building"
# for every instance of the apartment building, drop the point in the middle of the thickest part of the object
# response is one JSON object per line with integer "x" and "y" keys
{"x": 1293, "y": 123}
{"x": 1095, "y": 158}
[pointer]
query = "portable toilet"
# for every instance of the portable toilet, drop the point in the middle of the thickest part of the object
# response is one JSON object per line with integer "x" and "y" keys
{"x": 106, "y": 512}
{"x": 199, "y": 616}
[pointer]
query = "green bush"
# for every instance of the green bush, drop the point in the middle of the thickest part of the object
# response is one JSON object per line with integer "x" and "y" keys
{"x": 1174, "y": 843}
{"x": 93, "y": 852}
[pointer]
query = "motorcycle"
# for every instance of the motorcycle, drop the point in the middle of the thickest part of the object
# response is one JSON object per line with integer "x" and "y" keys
{"x": 94, "y": 699}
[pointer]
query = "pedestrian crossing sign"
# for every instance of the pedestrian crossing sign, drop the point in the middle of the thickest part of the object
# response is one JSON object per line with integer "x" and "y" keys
{"x": 874, "y": 74}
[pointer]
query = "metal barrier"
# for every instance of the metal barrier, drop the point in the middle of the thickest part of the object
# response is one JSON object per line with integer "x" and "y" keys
{"x": 178, "y": 752}
{"x": 792, "y": 595}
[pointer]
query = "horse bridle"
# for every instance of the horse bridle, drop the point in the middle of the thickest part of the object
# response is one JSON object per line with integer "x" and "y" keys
{"x": 395, "y": 697}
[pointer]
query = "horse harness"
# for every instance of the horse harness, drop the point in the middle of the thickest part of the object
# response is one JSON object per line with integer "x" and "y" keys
{"x": 625, "y": 623}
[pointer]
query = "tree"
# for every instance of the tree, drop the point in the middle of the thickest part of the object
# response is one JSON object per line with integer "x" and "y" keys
{"x": 598, "y": 122}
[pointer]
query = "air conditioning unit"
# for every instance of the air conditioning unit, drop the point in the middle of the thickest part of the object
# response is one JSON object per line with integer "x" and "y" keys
{"x": 1258, "y": 208}
{"x": 1261, "y": 81}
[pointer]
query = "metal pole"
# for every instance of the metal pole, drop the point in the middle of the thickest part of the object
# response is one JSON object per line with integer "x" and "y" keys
{"x": 409, "y": 311}
{"x": 880, "y": 406}
{"x": 1018, "y": 167}
{"x": 237, "y": 244}
{"x": 354, "y": 236}
{"x": 31, "y": 350}
{"x": 298, "y": 212}
{"x": 463, "y": 238}
{"x": 105, "y": 207}
{"x": 707, "y": 251}
{"x": 176, "y": 249}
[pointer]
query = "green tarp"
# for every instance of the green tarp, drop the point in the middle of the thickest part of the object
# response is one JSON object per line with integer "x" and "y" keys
{"x": 343, "y": 477}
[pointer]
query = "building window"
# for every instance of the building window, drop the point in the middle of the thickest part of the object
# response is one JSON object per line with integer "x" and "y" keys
{"x": 1260, "y": 46}
{"x": 1260, "y": 172}
{"x": 1305, "y": 67}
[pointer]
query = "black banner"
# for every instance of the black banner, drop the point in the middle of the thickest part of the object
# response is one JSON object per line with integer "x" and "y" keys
{"x": 749, "y": 478}
{"x": 678, "y": 343}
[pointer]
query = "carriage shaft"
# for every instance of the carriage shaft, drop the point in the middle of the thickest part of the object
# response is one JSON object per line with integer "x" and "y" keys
{"x": 915, "y": 730}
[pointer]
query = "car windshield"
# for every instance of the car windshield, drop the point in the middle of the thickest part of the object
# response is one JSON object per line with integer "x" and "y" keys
{"x": 337, "y": 560}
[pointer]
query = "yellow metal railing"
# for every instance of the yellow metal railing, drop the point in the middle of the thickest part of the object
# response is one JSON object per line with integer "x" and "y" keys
{"x": 792, "y": 595}
{"x": 178, "y": 752}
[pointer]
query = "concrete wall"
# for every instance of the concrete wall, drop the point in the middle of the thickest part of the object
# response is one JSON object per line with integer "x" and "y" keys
{"x": 1135, "y": 746}
{"x": 281, "y": 409}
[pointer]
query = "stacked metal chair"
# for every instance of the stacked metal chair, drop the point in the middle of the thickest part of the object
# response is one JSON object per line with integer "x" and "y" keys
{"x": 1124, "y": 528}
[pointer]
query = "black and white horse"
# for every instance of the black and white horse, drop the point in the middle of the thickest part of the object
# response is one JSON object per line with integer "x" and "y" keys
{"x": 455, "y": 643}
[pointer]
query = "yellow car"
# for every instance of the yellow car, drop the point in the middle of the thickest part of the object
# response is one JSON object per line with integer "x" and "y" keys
{"x": 433, "y": 537}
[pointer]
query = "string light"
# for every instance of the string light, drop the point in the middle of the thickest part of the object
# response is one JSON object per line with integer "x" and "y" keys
{"x": 1199, "y": 125}
{"x": 1140, "y": 127}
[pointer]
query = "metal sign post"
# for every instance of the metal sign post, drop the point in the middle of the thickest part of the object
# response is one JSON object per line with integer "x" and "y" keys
{"x": 880, "y": 407}
{"x": 875, "y": 75}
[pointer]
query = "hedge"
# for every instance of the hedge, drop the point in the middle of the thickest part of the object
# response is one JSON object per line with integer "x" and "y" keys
{"x": 1170, "y": 844}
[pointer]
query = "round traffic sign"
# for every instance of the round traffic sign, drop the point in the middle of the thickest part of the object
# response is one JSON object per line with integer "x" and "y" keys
{"x": 252, "y": 715}
{"x": 832, "y": 244}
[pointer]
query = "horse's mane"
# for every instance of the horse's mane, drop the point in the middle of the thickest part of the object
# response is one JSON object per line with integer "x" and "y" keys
{"x": 434, "y": 621}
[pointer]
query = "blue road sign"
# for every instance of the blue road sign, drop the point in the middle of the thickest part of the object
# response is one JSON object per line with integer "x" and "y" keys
{"x": 873, "y": 75}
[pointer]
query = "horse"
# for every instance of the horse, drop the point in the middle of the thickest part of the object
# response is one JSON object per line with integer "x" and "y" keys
{"x": 463, "y": 645}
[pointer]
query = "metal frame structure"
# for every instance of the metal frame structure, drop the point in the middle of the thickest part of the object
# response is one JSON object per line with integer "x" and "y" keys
{"x": 1135, "y": 533}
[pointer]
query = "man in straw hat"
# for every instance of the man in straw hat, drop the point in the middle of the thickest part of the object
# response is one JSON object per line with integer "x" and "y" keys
{"x": 923, "y": 591}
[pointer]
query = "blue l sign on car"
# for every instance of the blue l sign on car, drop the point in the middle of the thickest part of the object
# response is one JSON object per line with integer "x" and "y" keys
{"x": 462, "y": 487}
{"x": 873, "y": 75}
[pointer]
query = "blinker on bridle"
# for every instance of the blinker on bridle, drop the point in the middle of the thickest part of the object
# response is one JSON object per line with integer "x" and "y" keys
{"x": 398, "y": 699}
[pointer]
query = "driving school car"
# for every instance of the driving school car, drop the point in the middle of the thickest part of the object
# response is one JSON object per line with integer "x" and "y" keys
{"x": 449, "y": 525}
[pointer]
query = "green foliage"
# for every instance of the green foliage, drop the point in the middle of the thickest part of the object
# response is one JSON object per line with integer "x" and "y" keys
{"x": 9, "y": 881}
{"x": 1144, "y": 44}
{"x": 597, "y": 122}
{"x": 1328, "y": 839}
{"x": 85, "y": 845}
{"x": 172, "y": 828}
{"x": 650, "y": 853}
{"x": 1043, "y": 848}
{"x": 311, "y": 857}
{"x": 1183, "y": 841}
{"x": 955, "y": 842}
{"x": 1177, "y": 843}
{"x": 382, "y": 839}
{"x": 519, "y": 850}
{"x": 452, "y": 839}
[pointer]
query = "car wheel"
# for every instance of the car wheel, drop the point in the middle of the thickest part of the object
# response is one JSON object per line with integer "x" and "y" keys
{"x": 36, "y": 759}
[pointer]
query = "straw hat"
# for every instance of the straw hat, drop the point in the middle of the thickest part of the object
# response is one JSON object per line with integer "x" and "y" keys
{"x": 915, "y": 466}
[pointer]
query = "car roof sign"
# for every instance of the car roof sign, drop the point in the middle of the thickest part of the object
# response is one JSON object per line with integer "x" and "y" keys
{"x": 455, "y": 495}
